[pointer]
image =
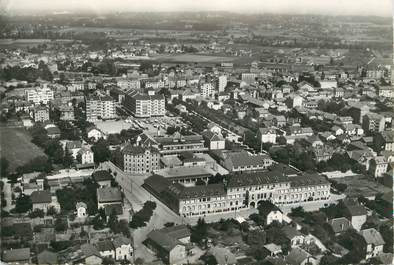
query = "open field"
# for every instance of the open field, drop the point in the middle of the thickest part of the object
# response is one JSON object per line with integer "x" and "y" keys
{"x": 16, "y": 147}
{"x": 27, "y": 42}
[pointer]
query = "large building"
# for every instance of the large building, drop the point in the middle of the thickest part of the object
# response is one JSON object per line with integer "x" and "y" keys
{"x": 178, "y": 143}
{"x": 145, "y": 105}
{"x": 241, "y": 191}
{"x": 373, "y": 122}
{"x": 41, "y": 114}
{"x": 222, "y": 83}
{"x": 138, "y": 159}
{"x": 100, "y": 107}
{"x": 40, "y": 95}
{"x": 206, "y": 89}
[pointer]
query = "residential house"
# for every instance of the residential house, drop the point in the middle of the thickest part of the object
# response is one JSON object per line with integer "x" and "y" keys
{"x": 52, "y": 131}
{"x": 279, "y": 121}
{"x": 244, "y": 161}
{"x": 223, "y": 255}
{"x": 90, "y": 255}
{"x": 169, "y": 249}
{"x": 81, "y": 208}
{"x": 66, "y": 113}
{"x": 384, "y": 141}
{"x": 106, "y": 248}
{"x": 373, "y": 122}
{"x": 270, "y": 212}
{"x": 123, "y": 248}
{"x": 43, "y": 200}
{"x": 356, "y": 213}
{"x": 85, "y": 155}
{"x": 374, "y": 242}
{"x": 267, "y": 135}
{"x": 41, "y": 113}
{"x": 73, "y": 147}
{"x": 213, "y": 141}
{"x": 298, "y": 256}
{"x": 95, "y": 133}
{"x": 340, "y": 225}
{"x": 378, "y": 166}
{"x": 103, "y": 178}
{"x": 109, "y": 196}
{"x": 213, "y": 127}
{"x": 273, "y": 249}
{"x": 296, "y": 237}
{"x": 47, "y": 257}
{"x": 140, "y": 159}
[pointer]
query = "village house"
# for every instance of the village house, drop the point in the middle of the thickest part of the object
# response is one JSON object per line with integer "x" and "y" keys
{"x": 213, "y": 141}
{"x": 374, "y": 242}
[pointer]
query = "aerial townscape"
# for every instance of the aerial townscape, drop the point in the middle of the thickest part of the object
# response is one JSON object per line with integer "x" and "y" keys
{"x": 209, "y": 137}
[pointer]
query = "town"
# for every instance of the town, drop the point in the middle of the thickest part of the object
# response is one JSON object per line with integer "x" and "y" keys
{"x": 198, "y": 138}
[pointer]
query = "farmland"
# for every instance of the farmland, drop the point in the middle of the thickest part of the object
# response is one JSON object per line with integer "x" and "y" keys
{"x": 16, "y": 147}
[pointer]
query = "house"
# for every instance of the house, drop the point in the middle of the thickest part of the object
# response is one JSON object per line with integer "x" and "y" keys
{"x": 102, "y": 177}
{"x": 90, "y": 255}
{"x": 16, "y": 256}
{"x": 81, "y": 208}
{"x": 53, "y": 131}
{"x": 314, "y": 141}
{"x": 85, "y": 156}
{"x": 213, "y": 141}
{"x": 273, "y": 249}
{"x": 95, "y": 133}
{"x": 384, "y": 141}
{"x": 213, "y": 127}
{"x": 374, "y": 242}
{"x": 337, "y": 130}
{"x": 73, "y": 147}
{"x": 179, "y": 232}
{"x": 356, "y": 213}
{"x": 42, "y": 200}
{"x": 267, "y": 135}
{"x": 108, "y": 196}
{"x": 106, "y": 249}
{"x": 244, "y": 161}
{"x": 223, "y": 255}
{"x": 279, "y": 121}
{"x": 270, "y": 212}
{"x": 169, "y": 249}
{"x": 123, "y": 248}
{"x": 298, "y": 256}
{"x": 296, "y": 237}
{"x": 340, "y": 225}
{"x": 378, "y": 166}
{"x": 41, "y": 114}
{"x": 47, "y": 257}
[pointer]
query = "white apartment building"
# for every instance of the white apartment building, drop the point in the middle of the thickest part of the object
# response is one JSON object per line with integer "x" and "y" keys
{"x": 39, "y": 95}
{"x": 222, "y": 83}
{"x": 144, "y": 105}
{"x": 100, "y": 107}
{"x": 206, "y": 89}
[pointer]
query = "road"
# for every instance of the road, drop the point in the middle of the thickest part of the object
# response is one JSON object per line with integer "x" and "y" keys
{"x": 136, "y": 195}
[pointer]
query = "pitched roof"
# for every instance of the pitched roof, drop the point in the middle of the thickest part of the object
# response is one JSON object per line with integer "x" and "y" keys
{"x": 101, "y": 175}
{"x": 265, "y": 207}
{"x": 177, "y": 231}
{"x": 297, "y": 256}
{"x": 256, "y": 178}
{"x": 109, "y": 208}
{"x": 90, "y": 250}
{"x": 340, "y": 224}
{"x": 291, "y": 232}
{"x": 42, "y": 196}
{"x": 121, "y": 240}
{"x": 105, "y": 245}
{"x": 74, "y": 144}
{"x": 137, "y": 150}
{"x": 372, "y": 236}
{"x": 109, "y": 194}
{"x": 244, "y": 159}
{"x": 163, "y": 240}
{"x": 47, "y": 257}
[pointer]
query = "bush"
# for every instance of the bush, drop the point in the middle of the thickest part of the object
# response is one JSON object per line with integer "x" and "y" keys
{"x": 143, "y": 216}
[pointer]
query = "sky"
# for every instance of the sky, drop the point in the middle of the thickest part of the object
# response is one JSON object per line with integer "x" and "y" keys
{"x": 324, "y": 7}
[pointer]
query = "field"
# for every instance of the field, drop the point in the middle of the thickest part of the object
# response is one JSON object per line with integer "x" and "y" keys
{"x": 16, "y": 147}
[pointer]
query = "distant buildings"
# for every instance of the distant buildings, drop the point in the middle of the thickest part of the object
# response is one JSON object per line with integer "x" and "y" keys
{"x": 222, "y": 83}
{"x": 100, "y": 107}
{"x": 40, "y": 95}
{"x": 373, "y": 122}
{"x": 267, "y": 135}
{"x": 41, "y": 114}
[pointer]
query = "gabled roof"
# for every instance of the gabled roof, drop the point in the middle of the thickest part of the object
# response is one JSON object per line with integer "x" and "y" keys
{"x": 372, "y": 236}
{"x": 105, "y": 245}
{"x": 42, "y": 196}
{"x": 101, "y": 175}
{"x": 47, "y": 257}
{"x": 109, "y": 194}
{"x": 340, "y": 224}
{"x": 291, "y": 232}
{"x": 90, "y": 250}
{"x": 177, "y": 231}
{"x": 120, "y": 241}
{"x": 163, "y": 240}
{"x": 297, "y": 256}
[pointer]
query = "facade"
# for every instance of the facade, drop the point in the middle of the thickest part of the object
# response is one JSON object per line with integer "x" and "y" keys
{"x": 144, "y": 105}
{"x": 207, "y": 89}
{"x": 267, "y": 135}
{"x": 41, "y": 114}
{"x": 244, "y": 161}
{"x": 40, "y": 95}
{"x": 108, "y": 196}
{"x": 222, "y": 83}
{"x": 378, "y": 166}
{"x": 123, "y": 248}
{"x": 95, "y": 133}
{"x": 242, "y": 191}
{"x": 86, "y": 156}
{"x": 81, "y": 208}
{"x": 138, "y": 159}
{"x": 374, "y": 242}
{"x": 100, "y": 107}
{"x": 373, "y": 122}
{"x": 213, "y": 141}
{"x": 66, "y": 113}
{"x": 178, "y": 143}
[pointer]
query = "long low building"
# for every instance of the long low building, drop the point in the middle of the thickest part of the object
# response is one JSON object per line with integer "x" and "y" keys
{"x": 240, "y": 191}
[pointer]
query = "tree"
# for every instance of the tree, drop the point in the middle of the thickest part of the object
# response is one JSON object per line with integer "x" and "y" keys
{"x": 23, "y": 204}
{"x": 60, "y": 225}
{"x": 55, "y": 151}
{"x": 199, "y": 232}
{"x": 4, "y": 165}
{"x": 51, "y": 211}
{"x": 101, "y": 151}
{"x": 37, "y": 213}
{"x": 68, "y": 158}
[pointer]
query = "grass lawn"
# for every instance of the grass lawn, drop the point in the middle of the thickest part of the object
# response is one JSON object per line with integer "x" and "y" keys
{"x": 16, "y": 147}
